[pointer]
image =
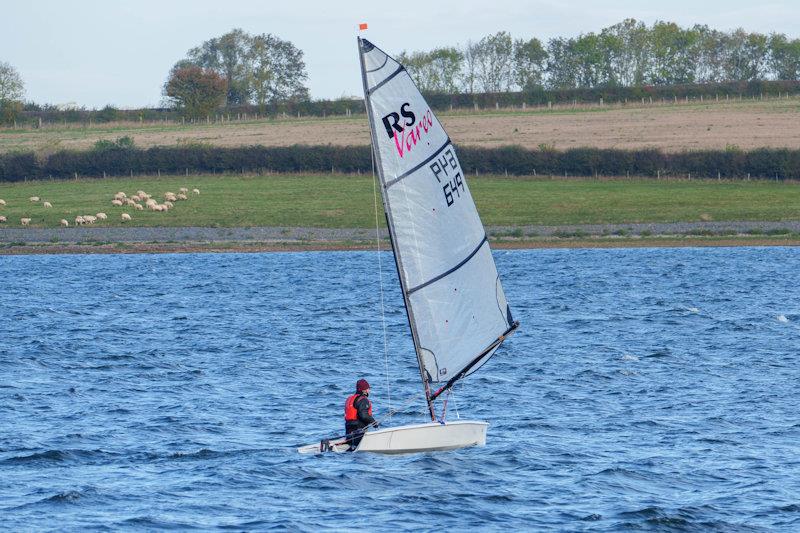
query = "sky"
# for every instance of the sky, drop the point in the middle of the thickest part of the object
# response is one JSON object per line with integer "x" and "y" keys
{"x": 93, "y": 53}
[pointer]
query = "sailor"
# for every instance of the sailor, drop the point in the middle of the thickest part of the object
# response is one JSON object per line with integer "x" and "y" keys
{"x": 358, "y": 414}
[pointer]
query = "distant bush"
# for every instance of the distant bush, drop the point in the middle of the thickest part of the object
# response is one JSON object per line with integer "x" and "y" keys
{"x": 123, "y": 143}
{"x": 120, "y": 157}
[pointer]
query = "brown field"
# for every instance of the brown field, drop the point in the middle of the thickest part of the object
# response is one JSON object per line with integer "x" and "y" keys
{"x": 670, "y": 127}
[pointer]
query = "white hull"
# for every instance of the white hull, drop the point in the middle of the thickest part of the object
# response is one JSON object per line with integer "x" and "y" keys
{"x": 430, "y": 437}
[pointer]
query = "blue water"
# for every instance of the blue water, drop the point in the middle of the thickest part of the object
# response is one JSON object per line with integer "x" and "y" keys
{"x": 652, "y": 389}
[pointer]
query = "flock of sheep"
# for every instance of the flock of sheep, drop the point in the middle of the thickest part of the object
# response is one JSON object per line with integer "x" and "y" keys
{"x": 121, "y": 199}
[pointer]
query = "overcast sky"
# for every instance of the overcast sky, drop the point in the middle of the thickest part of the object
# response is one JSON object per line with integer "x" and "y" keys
{"x": 98, "y": 52}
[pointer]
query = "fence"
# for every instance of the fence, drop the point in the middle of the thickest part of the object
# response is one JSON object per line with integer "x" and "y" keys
{"x": 650, "y": 94}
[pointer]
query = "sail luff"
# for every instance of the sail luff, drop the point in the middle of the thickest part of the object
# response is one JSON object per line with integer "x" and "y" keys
{"x": 390, "y": 226}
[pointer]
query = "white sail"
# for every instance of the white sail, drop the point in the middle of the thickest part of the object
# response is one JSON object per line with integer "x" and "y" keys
{"x": 456, "y": 305}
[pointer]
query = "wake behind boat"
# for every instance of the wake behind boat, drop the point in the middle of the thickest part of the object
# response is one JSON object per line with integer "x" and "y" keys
{"x": 457, "y": 310}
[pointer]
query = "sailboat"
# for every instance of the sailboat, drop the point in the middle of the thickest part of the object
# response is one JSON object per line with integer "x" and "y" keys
{"x": 457, "y": 310}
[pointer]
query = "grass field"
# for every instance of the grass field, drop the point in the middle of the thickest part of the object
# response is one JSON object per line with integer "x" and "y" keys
{"x": 346, "y": 201}
{"x": 671, "y": 127}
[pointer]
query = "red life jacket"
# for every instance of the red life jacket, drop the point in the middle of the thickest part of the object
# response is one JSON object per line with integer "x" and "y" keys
{"x": 350, "y": 411}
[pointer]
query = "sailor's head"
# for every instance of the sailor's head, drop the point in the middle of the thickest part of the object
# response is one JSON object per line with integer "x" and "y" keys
{"x": 362, "y": 386}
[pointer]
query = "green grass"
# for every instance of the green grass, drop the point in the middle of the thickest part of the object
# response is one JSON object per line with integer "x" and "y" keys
{"x": 347, "y": 201}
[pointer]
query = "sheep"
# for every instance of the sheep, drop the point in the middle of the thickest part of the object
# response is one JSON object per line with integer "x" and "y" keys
{"x": 101, "y": 216}
{"x": 182, "y": 197}
{"x": 141, "y": 193}
{"x": 25, "y": 221}
{"x": 89, "y": 219}
{"x": 196, "y": 191}
{"x": 64, "y": 223}
{"x": 164, "y": 207}
{"x": 47, "y": 205}
{"x": 139, "y": 207}
{"x": 153, "y": 207}
{"x": 117, "y": 203}
{"x": 170, "y": 198}
{"x": 121, "y": 194}
{"x": 2, "y": 218}
{"x": 169, "y": 204}
{"x": 136, "y": 198}
{"x": 2, "y": 202}
{"x": 130, "y": 202}
{"x": 79, "y": 221}
{"x": 34, "y": 199}
{"x": 183, "y": 190}
{"x": 125, "y": 217}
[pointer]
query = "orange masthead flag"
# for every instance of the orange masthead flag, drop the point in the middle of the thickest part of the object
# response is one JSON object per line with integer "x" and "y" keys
{"x": 362, "y": 26}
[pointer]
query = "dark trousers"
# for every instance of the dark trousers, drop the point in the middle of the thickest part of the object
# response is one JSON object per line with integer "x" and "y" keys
{"x": 354, "y": 432}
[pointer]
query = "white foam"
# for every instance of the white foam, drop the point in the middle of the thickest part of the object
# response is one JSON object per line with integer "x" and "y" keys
{"x": 629, "y": 357}
{"x": 782, "y": 318}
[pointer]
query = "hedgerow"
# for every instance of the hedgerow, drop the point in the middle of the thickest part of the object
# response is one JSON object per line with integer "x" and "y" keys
{"x": 116, "y": 160}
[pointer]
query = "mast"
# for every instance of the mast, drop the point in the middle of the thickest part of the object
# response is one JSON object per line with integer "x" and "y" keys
{"x": 390, "y": 225}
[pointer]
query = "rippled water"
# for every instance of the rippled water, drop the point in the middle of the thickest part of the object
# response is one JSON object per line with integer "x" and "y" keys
{"x": 648, "y": 389}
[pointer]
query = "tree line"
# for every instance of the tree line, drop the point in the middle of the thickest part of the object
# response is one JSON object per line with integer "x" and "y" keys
{"x": 627, "y": 54}
{"x": 237, "y": 69}
{"x": 122, "y": 159}
{"x": 243, "y": 74}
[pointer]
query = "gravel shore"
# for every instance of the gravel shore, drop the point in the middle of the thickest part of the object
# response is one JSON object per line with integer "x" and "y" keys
{"x": 361, "y": 235}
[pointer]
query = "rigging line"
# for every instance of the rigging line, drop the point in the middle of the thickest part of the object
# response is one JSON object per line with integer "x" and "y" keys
{"x": 453, "y": 397}
{"x": 380, "y": 277}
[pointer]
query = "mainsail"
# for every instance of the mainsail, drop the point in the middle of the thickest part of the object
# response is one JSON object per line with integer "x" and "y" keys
{"x": 456, "y": 307}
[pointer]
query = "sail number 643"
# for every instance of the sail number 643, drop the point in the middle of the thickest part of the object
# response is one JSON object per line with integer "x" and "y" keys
{"x": 442, "y": 167}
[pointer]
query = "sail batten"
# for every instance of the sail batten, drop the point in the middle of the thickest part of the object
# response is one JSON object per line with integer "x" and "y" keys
{"x": 420, "y": 165}
{"x": 445, "y": 274}
{"x": 387, "y": 79}
{"x": 453, "y": 295}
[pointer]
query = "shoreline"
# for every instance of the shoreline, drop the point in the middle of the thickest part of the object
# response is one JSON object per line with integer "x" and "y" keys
{"x": 124, "y": 240}
{"x": 666, "y": 241}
